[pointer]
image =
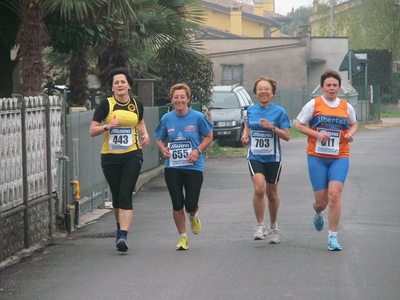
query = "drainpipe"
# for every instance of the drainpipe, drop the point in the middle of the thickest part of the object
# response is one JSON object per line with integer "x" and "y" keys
{"x": 62, "y": 166}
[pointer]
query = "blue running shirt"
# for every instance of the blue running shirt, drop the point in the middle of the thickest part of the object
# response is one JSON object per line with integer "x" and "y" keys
{"x": 184, "y": 131}
{"x": 264, "y": 144}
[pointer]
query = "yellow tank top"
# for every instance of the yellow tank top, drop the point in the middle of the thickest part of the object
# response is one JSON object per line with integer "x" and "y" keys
{"x": 124, "y": 138}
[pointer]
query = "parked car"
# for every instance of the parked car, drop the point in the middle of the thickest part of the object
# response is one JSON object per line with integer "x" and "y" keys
{"x": 228, "y": 111}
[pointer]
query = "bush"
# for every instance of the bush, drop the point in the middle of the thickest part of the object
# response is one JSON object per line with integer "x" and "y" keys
{"x": 396, "y": 87}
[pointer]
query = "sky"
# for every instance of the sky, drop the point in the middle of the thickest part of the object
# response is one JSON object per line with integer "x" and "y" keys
{"x": 284, "y": 7}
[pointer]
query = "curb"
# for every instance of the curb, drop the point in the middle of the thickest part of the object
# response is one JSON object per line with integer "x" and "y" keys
{"x": 147, "y": 176}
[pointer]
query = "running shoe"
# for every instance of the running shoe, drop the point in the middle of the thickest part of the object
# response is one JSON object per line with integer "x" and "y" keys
{"x": 116, "y": 232}
{"x": 333, "y": 244}
{"x": 319, "y": 222}
{"x": 122, "y": 244}
{"x": 195, "y": 224}
{"x": 183, "y": 243}
{"x": 259, "y": 232}
{"x": 273, "y": 236}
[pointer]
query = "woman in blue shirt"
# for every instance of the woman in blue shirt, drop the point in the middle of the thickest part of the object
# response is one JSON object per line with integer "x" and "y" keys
{"x": 189, "y": 133}
{"x": 266, "y": 124}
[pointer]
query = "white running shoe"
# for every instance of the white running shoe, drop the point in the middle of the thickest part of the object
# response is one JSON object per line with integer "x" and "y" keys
{"x": 259, "y": 232}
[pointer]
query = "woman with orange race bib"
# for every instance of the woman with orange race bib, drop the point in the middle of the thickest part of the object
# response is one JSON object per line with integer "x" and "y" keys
{"x": 332, "y": 125}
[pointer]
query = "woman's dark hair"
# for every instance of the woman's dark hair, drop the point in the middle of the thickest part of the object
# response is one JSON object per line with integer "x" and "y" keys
{"x": 271, "y": 81}
{"x": 118, "y": 71}
{"x": 330, "y": 74}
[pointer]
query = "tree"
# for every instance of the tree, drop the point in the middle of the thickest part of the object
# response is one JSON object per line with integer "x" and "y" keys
{"x": 366, "y": 24}
{"x": 300, "y": 17}
{"x": 10, "y": 19}
{"x": 32, "y": 37}
{"x": 126, "y": 34}
{"x": 382, "y": 25}
{"x": 74, "y": 30}
{"x": 150, "y": 27}
{"x": 184, "y": 67}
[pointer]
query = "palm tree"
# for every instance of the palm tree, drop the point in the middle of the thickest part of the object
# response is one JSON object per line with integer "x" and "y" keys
{"x": 73, "y": 35}
{"x": 135, "y": 38}
{"x": 32, "y": 37}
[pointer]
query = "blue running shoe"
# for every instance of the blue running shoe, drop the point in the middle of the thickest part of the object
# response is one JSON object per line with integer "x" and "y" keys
{"x": 116, "y": 232}
{"x": 319, "y": 222}
{"x": 122, "y": 244}
{"x": 333, "y": 244}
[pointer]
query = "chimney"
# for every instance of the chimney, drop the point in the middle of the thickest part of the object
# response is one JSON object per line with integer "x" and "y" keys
{"x": 236, "y": 19}
{"x": 258, "y": 7}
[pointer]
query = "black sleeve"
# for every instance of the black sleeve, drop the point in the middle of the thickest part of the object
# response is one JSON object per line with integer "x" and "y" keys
{"x": 101, "y": 111}
{"x": 140, "y": 109}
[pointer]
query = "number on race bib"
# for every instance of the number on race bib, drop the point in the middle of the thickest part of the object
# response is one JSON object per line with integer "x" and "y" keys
{"x": 177, "y": 154}
{"x": 262, "y": 143}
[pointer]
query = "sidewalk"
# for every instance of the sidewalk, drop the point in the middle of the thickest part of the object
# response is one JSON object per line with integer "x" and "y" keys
{"x": 384, "y": 122}
{"x": 84, "y": 220}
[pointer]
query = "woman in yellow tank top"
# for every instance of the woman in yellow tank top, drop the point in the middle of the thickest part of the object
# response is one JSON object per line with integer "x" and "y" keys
{"x": 120, "y": 118}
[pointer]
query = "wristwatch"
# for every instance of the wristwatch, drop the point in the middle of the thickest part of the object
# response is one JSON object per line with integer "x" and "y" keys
{"x": 273, "y": 129}
{"x": 105, "y": 127}
{"x": 198, "y": 149}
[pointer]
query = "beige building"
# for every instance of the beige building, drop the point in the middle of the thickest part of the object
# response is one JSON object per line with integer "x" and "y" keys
{"x": 296, "y": 63}
{"x": 251, "y": 46}
{"x": 255, "y": 18}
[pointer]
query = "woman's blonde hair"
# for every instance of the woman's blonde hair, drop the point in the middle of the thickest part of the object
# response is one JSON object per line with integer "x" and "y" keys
{"x": 180, "y": 86}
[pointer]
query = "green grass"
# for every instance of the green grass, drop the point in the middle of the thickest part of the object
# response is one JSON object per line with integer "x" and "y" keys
{"x": 390, "y": 113}
{"x": 216, "y": 150}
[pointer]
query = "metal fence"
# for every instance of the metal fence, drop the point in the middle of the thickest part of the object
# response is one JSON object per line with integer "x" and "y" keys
{"x": 27, "y": 154}
{"x": 83, "y": 161}
{"x": 50, "y": 171}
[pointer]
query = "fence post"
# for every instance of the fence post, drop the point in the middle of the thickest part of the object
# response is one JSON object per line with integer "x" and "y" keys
{"x": 48, "y": 160}
{"x": 25, "y": 191}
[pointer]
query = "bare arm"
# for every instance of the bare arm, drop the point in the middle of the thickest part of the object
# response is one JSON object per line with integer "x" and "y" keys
{"x": 163, "y": 149}
{"x": 307, "y": 131}
{"x": 350, "y": 135}
{"x": 283, "y": 133}
{"x": 141, "y": 126}
{"x": 96, "y": 129}
{"x": 245, "y": 136}
{"x": 194, "y": 155}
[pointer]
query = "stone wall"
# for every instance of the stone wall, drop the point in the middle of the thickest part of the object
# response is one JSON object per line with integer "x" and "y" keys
{"x": 12, "y": 226}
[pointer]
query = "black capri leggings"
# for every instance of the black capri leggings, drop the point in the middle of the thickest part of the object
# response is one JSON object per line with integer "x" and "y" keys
{"x": 191, "y": 180}
{"x": 121, "y": 179}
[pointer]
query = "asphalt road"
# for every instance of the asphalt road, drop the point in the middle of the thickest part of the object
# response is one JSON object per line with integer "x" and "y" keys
{"x": 223, "y": 261}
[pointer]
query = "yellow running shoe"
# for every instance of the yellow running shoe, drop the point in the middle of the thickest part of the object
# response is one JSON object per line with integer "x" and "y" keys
{"x": 183, "y": 243}
{"x": 195, "y": 224}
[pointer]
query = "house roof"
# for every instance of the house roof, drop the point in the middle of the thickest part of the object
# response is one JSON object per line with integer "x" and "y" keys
{"x": 212, "y": 32}
{"x": 270, "y": 18}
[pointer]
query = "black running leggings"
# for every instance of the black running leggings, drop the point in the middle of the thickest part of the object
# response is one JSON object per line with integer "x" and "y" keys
{"x": 121, "y": 179}
{"x": 179, "y": 179}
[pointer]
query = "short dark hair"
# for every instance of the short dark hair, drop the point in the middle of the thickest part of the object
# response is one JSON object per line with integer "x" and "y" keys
{"x": 120, "y": 71}
{"x": 330, "y": 74}
{"x": 271, "y": 81}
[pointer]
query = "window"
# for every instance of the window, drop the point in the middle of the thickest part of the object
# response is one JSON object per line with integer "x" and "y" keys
{"x": 232, "y": 74}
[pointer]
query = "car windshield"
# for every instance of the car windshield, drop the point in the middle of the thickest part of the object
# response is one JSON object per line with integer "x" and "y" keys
{"x": 224, "y": 100}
